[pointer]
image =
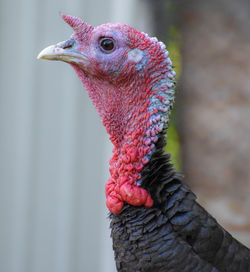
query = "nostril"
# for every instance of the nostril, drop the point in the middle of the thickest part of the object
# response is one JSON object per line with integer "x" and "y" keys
{"x": 68, "y": 44}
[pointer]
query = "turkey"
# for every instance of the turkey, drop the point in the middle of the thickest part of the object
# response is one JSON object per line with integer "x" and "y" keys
{"x": 156, "y": 223}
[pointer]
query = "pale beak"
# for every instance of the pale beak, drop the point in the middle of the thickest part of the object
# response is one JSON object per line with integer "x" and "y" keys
{"x": 63, "y": 51}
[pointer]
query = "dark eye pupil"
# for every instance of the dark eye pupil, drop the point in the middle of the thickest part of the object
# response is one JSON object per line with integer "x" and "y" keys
{"x": 107, "y": 44}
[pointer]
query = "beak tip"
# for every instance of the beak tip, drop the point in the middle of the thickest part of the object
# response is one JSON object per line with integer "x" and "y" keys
{"x": 58, "y": 52}
{"x": 39, "y": 56}
{"x": 47, "y": 53}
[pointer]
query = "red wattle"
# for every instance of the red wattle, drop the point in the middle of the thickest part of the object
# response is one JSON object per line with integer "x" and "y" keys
{"x": 114, "y": 204}
{"x": 132, "y": 194}
{"x": 125, "y": 167}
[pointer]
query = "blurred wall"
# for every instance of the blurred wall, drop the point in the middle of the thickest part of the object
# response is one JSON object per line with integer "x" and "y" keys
{"x": 54, "y": 151}
{"x": 215, "y": 108}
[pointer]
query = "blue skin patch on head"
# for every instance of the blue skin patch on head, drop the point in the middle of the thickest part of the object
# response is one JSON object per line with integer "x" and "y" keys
{"x": 142, "y": 63}
{"x": 160, "y": 105}
{"x": 160, "y": 108}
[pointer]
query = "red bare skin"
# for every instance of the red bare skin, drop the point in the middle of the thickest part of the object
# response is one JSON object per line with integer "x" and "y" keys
{"x": 129, "y": 144}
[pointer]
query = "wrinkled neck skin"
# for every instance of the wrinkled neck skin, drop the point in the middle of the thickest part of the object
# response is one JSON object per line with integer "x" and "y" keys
{"x": 134, "y": 114}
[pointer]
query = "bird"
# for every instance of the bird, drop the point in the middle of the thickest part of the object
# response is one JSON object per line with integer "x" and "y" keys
{"x": 156, "y": 222}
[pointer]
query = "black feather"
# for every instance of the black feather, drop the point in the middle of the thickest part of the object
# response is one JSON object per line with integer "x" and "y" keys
{"x": 176, "y": 234}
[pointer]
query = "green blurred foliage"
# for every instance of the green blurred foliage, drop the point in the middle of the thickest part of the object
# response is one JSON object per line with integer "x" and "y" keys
{"x": 173, "y": 146}
{"x": 174, "y": 48}
{"x": 173, "y": 140}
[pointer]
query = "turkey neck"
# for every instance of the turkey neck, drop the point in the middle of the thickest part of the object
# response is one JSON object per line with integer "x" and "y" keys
{"x": 143, "y": 118}
{"x": 144, "y": 123}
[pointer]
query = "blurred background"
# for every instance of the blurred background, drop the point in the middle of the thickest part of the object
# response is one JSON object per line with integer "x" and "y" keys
{"x": 54, "y": 151}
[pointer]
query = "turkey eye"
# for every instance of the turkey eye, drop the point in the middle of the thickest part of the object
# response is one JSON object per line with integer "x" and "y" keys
{"x": 107, "y": 45}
